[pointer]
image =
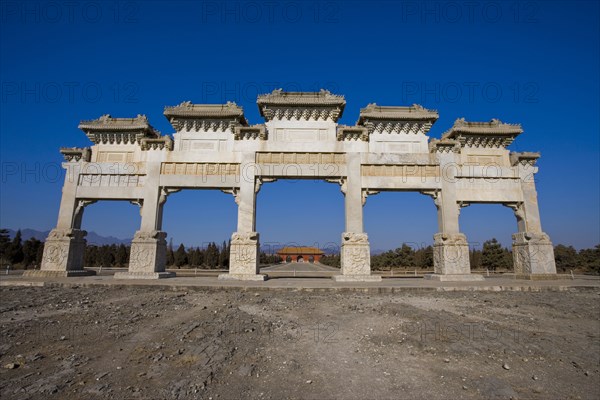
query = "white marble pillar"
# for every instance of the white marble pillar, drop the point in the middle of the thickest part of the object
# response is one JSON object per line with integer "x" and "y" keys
{"x": 65, "y": 245}
{"x": 355, "y": 253}
{"x": 147, "y": 259}
{"x": 450, "y": 246}
{"x": 533, "y": 252}
{"x": 243, "y": 257}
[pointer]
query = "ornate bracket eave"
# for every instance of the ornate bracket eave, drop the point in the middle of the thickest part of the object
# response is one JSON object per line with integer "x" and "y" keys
{"x": 339, "y": 181}
{"x": 234, "y": 192}
{"x": 138, "y": 202}
{"x": 366, "y": 193}
{"x": 435, "y": 195}
{"x": 260, "y": 181}
{"x": 518, "y": 209}
{"x": 165, "y": 192}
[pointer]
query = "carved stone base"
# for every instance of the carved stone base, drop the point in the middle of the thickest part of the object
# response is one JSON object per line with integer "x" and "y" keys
{"x": 533, "y": 254}
{"x": 455, "y": 277}
{"x": 63, "y": 251}
{"x": 144, "y": 275}
{"x": 355, "y": 259}
{"x": 451, "y": 254}
{"x": 148, "y": 257}
{"x": 242, "y": 277}
{"x": 36, "y": 273}
{"x": 243, "y": 255}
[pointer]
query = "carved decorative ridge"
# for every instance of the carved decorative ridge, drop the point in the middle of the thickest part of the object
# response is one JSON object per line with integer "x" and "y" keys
{"x": 254, "y": 132}
{"x": 352, "y": 133}
{"x": 525, "y": 158}
{"x": 444, "y": 146}
{"x": 162, "y": 143}
{"x": 75, "y": 154}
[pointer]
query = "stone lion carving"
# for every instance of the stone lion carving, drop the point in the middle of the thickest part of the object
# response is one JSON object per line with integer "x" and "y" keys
{"x": 144, "y": 235}
{"x": 532, "y": 238}
{"x": 60, "y": 234}
{"x": 449, "y": 239}
{"x": 355, "y": 238}
{"x": 249, "y": 238}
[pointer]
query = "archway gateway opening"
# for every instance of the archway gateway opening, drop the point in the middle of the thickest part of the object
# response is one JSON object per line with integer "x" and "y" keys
{"x": 397, "y": 250}
{"x": 214, "y": 146}
{"x": 110, "y": 227}
{"x": 299, "y": 219}
{"x": 186, "y": 215}
{"x": 490, "y": 227}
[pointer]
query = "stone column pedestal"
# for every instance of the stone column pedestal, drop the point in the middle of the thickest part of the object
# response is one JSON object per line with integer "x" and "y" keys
{"x": 451, "y": 258}
{"x": 355, "y": 259}
{"x": 63, "y": 255}
{"x": 243, "y": 258}
{"x": 533, "y": 256}
{"x": 148, "y": 257}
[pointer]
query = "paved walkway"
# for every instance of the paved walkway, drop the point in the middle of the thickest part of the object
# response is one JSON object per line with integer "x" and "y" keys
{"x": 208, "y": 280}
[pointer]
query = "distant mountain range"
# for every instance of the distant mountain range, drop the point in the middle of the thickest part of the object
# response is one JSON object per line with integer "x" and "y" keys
{"x": 92, "y": 237}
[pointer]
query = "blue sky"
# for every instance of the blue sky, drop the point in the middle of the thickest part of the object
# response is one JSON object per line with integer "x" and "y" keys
{"x": 534, "y": 63}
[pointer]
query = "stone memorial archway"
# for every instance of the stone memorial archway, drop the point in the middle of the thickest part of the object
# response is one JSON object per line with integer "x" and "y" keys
{"x": 214, "y": 147}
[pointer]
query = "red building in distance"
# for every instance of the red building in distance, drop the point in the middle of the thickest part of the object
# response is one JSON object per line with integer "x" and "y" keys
{"x": 300, "y": 254}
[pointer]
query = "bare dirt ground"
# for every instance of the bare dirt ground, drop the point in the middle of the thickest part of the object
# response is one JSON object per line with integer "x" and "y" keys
{"x": 150, "y": 343}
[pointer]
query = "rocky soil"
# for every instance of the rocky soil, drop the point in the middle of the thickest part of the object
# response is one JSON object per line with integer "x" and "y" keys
{"x": 149, "y": 343}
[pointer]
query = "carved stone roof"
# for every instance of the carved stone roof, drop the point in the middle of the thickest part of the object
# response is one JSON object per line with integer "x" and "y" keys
{"x": 394, "y": 113}
{"x": 107, "y": 129}
{"x": 300, "y": 250}
{"x": 414, "y": 119}
{"x": 189, "y": 110}
{"x": 322, "y": 97}
{"x": 108, "y": 123}
{"x": 205, "y": 117}
{"x": 494, "y": 133}
{"x": 301, "y": 105}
